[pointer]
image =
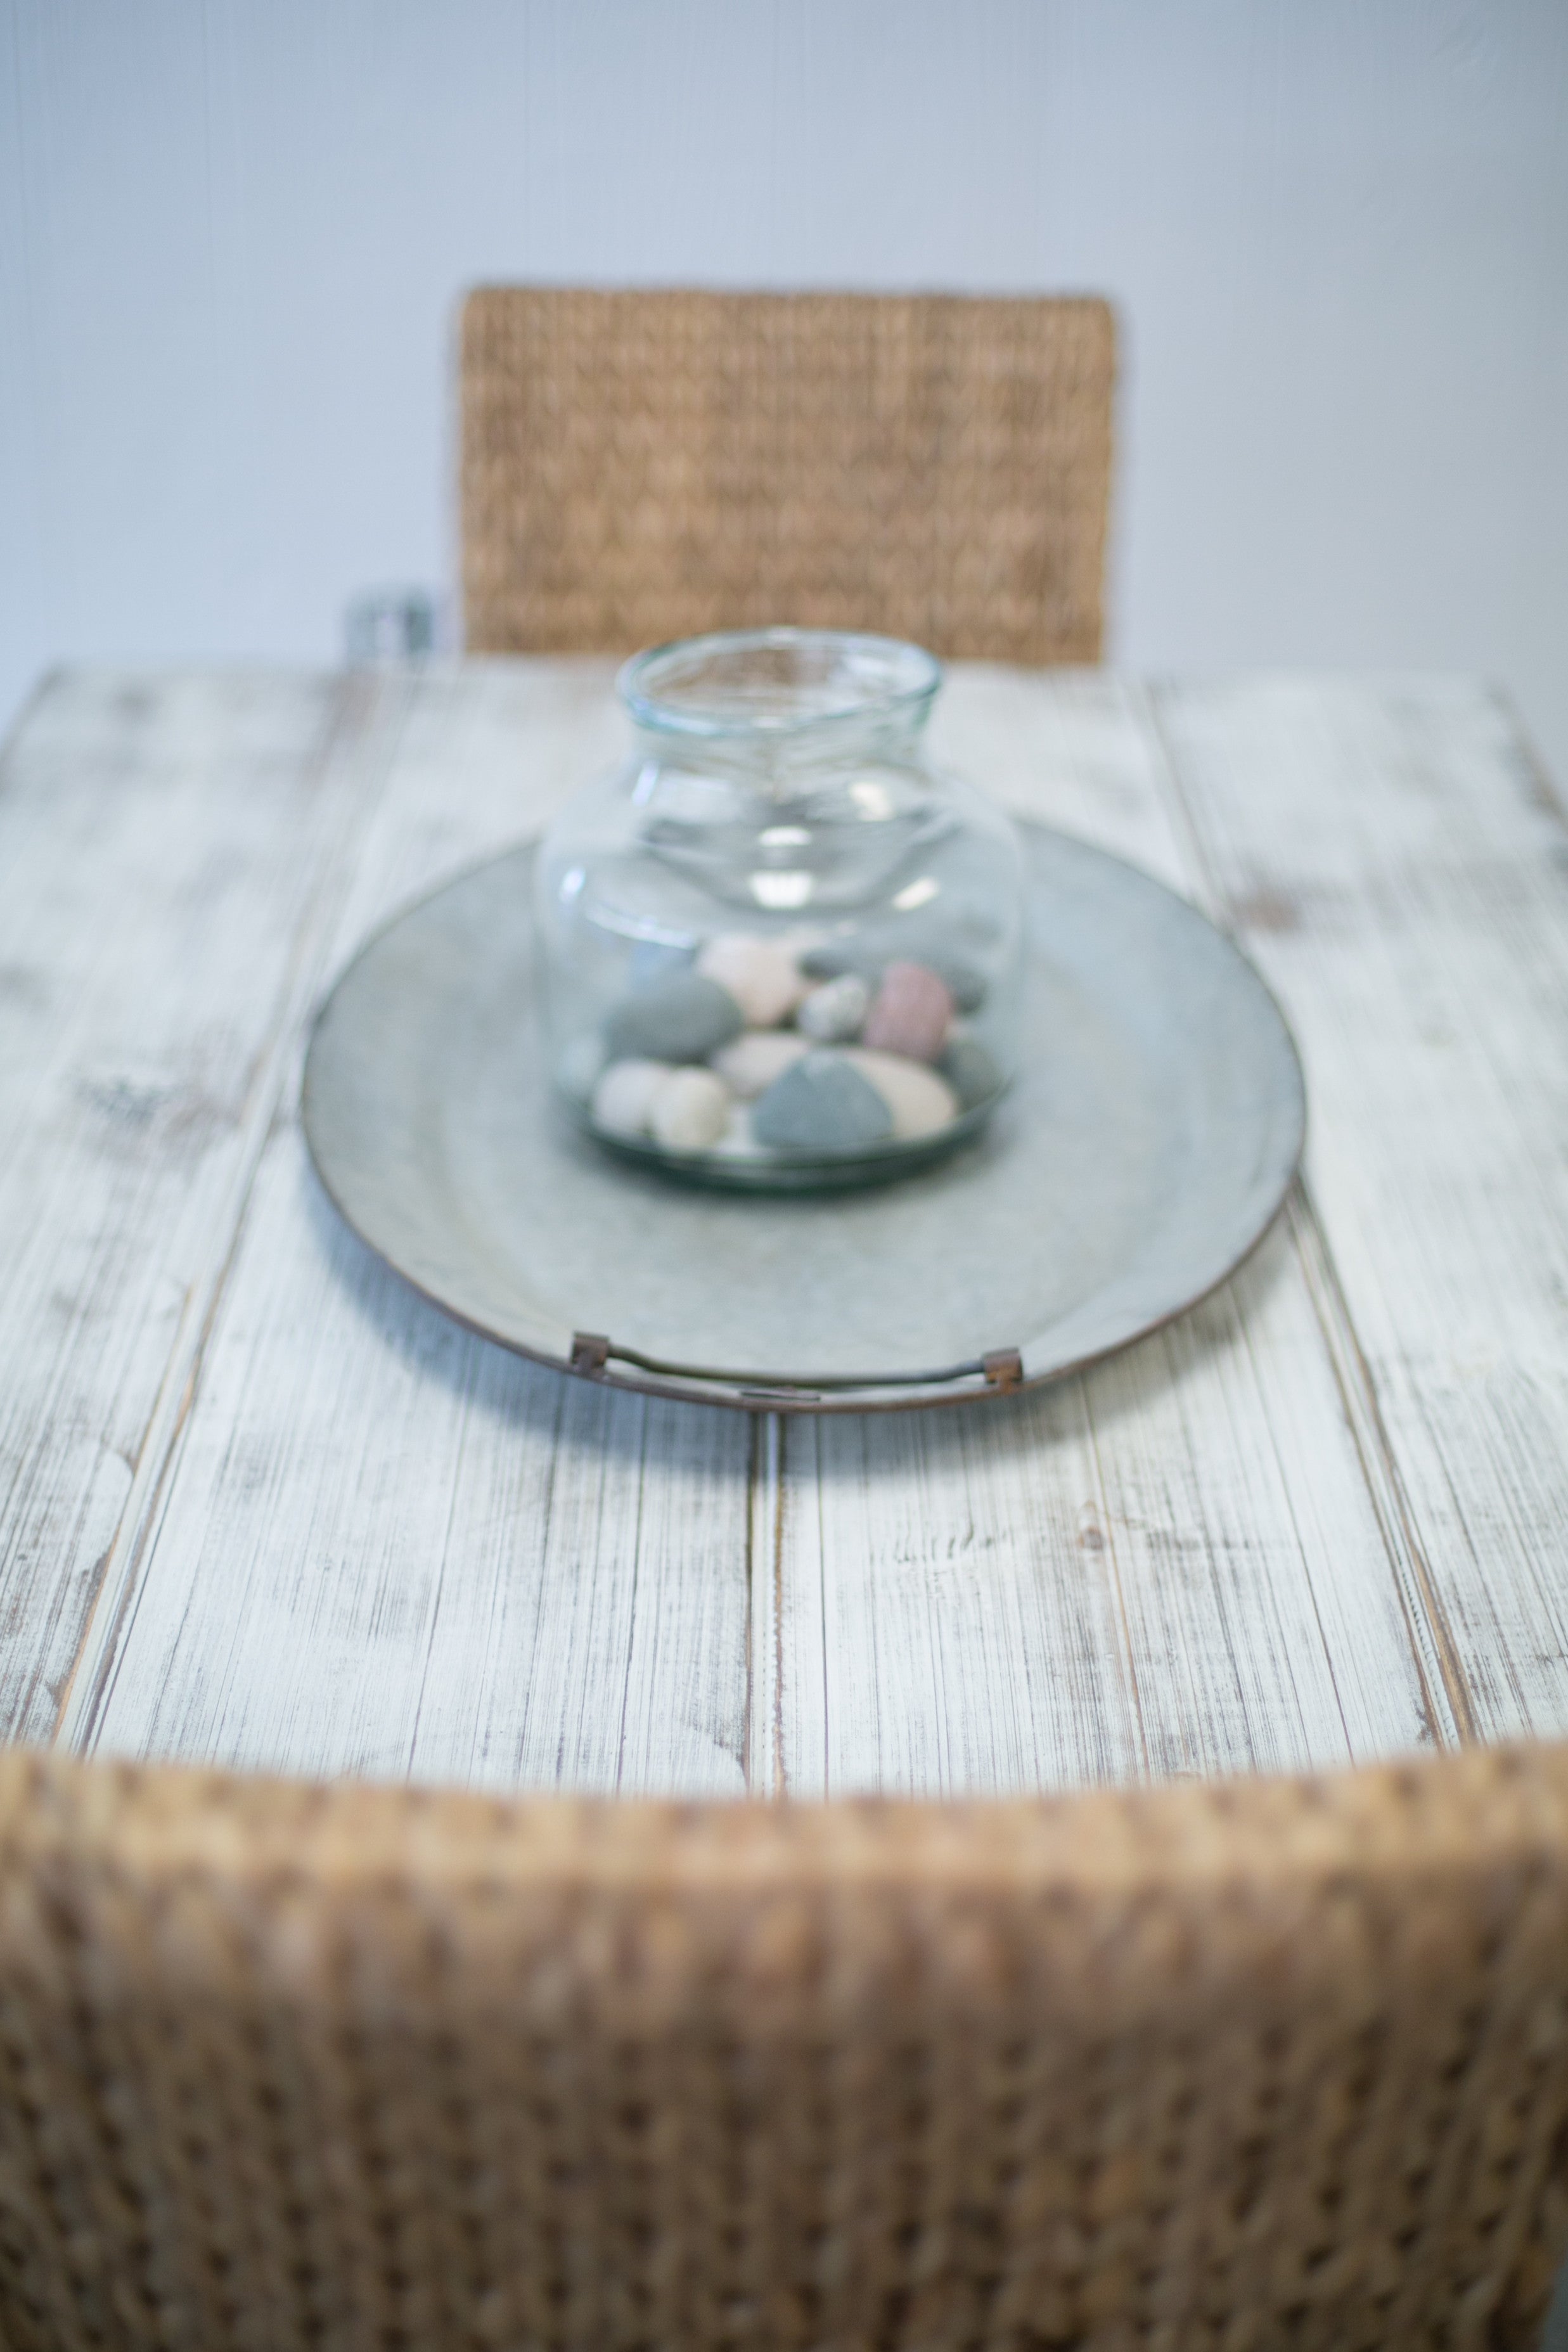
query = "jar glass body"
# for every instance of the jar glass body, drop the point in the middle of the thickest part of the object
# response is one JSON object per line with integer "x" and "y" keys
{"x": 779, "y": 950}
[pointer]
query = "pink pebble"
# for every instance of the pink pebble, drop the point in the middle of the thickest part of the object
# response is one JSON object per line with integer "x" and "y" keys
{"x": 911, "y": 1013}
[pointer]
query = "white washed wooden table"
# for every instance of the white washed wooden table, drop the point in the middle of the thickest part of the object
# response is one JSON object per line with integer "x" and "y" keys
{"x": 261, "y": 1506}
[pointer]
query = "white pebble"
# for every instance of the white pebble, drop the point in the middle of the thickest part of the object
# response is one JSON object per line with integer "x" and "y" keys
{"x": 623, "y": 1098}
{"x": 760, "y": 975}
{"x": 750, "y": 1063}
{"x": 690, "y": 1111}
{"x": 920, "y": 1101}
{"x": 835, "y": 1012}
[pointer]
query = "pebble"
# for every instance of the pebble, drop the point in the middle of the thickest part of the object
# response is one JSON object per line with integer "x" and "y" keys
{"x": 918, "y": 1101}
{"x": 911, "y": 1013}
{"x": 963, "y": 983}
{"x": 869, "y": 953}
{"x": 682, "y": 1019}
{"x": 624, "y": 1096}
{"x": 970, "y": 1072}
{"x": 655, "y": 959}
{"x": 751, "y": 1063}
{"x": 689, "y": 1111}
{"x": 835, "y": 957}
{"x": 762, "y": 975}
{"x": 835, "y": 1012}
{"x": 822, "y": 1104}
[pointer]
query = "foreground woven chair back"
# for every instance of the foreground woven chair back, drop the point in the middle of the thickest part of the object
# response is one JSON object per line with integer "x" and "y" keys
{"x": 1257, "y": 2066}
{"x": 637, "y": 467}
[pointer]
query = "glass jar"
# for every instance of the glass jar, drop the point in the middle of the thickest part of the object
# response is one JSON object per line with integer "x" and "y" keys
{"x": 779, "y": 949}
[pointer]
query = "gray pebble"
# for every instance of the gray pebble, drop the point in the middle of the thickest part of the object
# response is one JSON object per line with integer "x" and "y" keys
{"x": 821, "y": 1104}
{"x": 681, "y": 1019}
{"x": 835, "y": 956}
{"x": 970, "y": 1072}
{"x": 653, "y": 960}
{"x": 964, "y": 984}
{"x": 836, "y": 1010}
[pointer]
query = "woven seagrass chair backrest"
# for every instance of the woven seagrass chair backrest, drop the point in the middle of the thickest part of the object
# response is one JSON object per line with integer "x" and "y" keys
{"x": 637, "y": 467}
{"x": 1256, "y": 2064}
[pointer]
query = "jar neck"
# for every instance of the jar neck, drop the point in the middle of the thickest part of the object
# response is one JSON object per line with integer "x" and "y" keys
{"x": 773, "y": 708}
{"x": 781, "y": 761}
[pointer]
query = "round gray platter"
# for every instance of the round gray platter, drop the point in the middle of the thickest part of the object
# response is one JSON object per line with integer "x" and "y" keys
{"x": 1142, "y": 1155}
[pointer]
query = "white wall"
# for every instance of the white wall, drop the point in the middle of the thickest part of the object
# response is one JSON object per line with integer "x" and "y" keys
{"x": 232, "y": 233}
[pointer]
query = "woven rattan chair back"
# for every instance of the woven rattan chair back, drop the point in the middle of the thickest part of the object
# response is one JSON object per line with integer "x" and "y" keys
{"x": 637, "y": 467}
{"x": 1266, "y": 2065}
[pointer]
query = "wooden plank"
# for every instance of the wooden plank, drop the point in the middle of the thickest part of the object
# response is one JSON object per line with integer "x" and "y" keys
{"x": 386, "y": 1547}
{"x": 1269, "y": 1625}
{"x": 1174, "y": 1565}
{"x": 923, "y": 1650}
{"x": 764, "y": 1643}
{"x": 1400, "y": 872}
{"x": 159, "y": 845}
{"x": 394, "y": 1550}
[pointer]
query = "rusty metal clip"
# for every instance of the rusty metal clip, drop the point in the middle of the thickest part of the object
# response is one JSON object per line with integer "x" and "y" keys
{"x": 590, "y": 1351}
{"x": 1004, "y": 1368}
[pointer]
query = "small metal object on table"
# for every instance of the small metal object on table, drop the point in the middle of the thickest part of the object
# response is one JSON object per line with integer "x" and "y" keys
{"x": 261, "y": 1504}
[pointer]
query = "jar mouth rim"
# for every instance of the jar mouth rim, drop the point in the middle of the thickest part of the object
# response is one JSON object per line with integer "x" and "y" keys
{"x": 680, "y": 688}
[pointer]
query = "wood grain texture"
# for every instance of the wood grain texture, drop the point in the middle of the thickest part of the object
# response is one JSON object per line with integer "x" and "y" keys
{"x": 263, "y": 1506}
{"x": 384, "y": 1546}
{"x": 398, "y": 1552}
{"x": 160, "y": 844}
{"x": 1171, "y": 1565}
{"x": 1397, "y": 867}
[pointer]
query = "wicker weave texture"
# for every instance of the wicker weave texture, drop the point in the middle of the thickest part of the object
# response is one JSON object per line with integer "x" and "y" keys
{"x": 1272, "y": 2064}
{"x": 637, "y": 467}
{"x": 1275, "y": 2063}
